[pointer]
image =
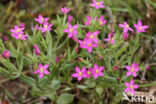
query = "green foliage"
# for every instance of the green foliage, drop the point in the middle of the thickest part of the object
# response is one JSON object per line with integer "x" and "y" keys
{"x": 59, "y": 86}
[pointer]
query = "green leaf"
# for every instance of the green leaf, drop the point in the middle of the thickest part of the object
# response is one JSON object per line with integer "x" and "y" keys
{"x": 51, "y": 95}
{"x": 99, "y": 90}
{"x": 65, "y": 98}
{"x": 55, "y": 84}
{"x": 28, "y": 80}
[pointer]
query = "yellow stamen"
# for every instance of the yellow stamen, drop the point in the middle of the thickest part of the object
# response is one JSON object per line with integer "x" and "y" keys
{"x": 6, "y": 54}
{"x": 80, "y": 74}
{"x": 131, "y": 87}
{"x": 41, "y": 70}
{"x": 88, "y": 72}
{"x": 91, "y": 37}
{"x": 140, "y": 28}
{"x": 90, "y": 44}
{"x": 100, "y": 22}
{"x": 42, "y": 19}
{"x": 19, "y": 35}
{"x": 97, "y": 71}
{"x": 84, "y": 43}
{"x": 132, "y": 70}
{"x": 71, "y": 30}
{"x": 97, "y": 3}
{"x": 127, "y": 26}
{"x": 46, "y": 26}
{"x": 18, "y": 30}
{"x": 112, "y": 38}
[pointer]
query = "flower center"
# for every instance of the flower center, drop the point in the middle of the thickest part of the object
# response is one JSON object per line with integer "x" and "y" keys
{"x": 84, "y": 43}
{"x": 90, "y": 44}
{"x": 111, "y": 39}
{"x": 80, "y": 74}
{"x": 46, "y": 26}
{"x": 132, "y": 70}
{"x": 71, "y": 30}
{"x": 131, "y": 87}
{"x": 88, "y": 72}
{"x": 18, "y": 30}
{"x": 42, "y": 19}
{"x": 19, "y": 35}
{"x": 140, "y": 28}
{"x": 98, "y": 3}
{"x": 127, "y": 26}
{"x": 100, "y": 22}
{"x": 7, "y": 54}
{"x": 41, "y": 69}
{"x": 97, "y": 71}
{"x": 91, "y": 37}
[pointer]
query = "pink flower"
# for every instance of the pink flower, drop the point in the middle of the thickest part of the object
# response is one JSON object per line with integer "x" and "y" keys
{"x": 69, "y": 19}
{"x": 132, "y": 69}
{"x": 19, "y": 36}
{"x": 6, "y": 54}
{"x": 80, "y": 73}
{"x": 115, "y": 68}
{"x": 74, "y": 38}
{"x": 92, "y": 36}
{"x": 65, "y": 10}
{"x": 71, "y": 30}
{"x": 147, "y": 68}
{"x": 140, "y": 27}
{"x": 22, "y": 25}
{"x": 89, "y": 72}
{"x": 37, "y": 51}
{"x": 77, "y": 50}
{"x": 97, "y": 71}
{"x": 131, "y": 87}
{"x": 110, "y": 39}
{"x": 83, "y": 43}
{"x": 87, "y": 44}
{"x": 36, "y": 27}
{"x": 18, "y": 33}
{"x": 100, "y": 58}
{"x": 125, "y": 36}
{"x": 42, "y": 70}
{"x": 126, "y": 27}
{"x": 97, "y": 5}
{"x": 17, "y": 30}
{"x": 57, "y": 59}
{"x": 5, "y": 38}
{"x": 46, "y": 27}
{"x": 88, "y": 22}
{"x": 102, "y": 21}
{"x": 41, "y": 20}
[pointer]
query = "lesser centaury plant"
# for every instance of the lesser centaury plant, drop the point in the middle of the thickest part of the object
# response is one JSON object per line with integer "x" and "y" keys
{"x": 60, "y": 52}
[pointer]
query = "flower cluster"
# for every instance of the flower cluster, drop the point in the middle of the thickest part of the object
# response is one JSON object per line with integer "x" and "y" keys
{"x": 95, "y": 72}
{"x": 139, "y": 27}
{"x": 100, "y": 21}
{"x": 89, "y": 41}
{"x": 18, "y": 32}
{"x": 45, "y": 26}
{"x": 132, "y": 70}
